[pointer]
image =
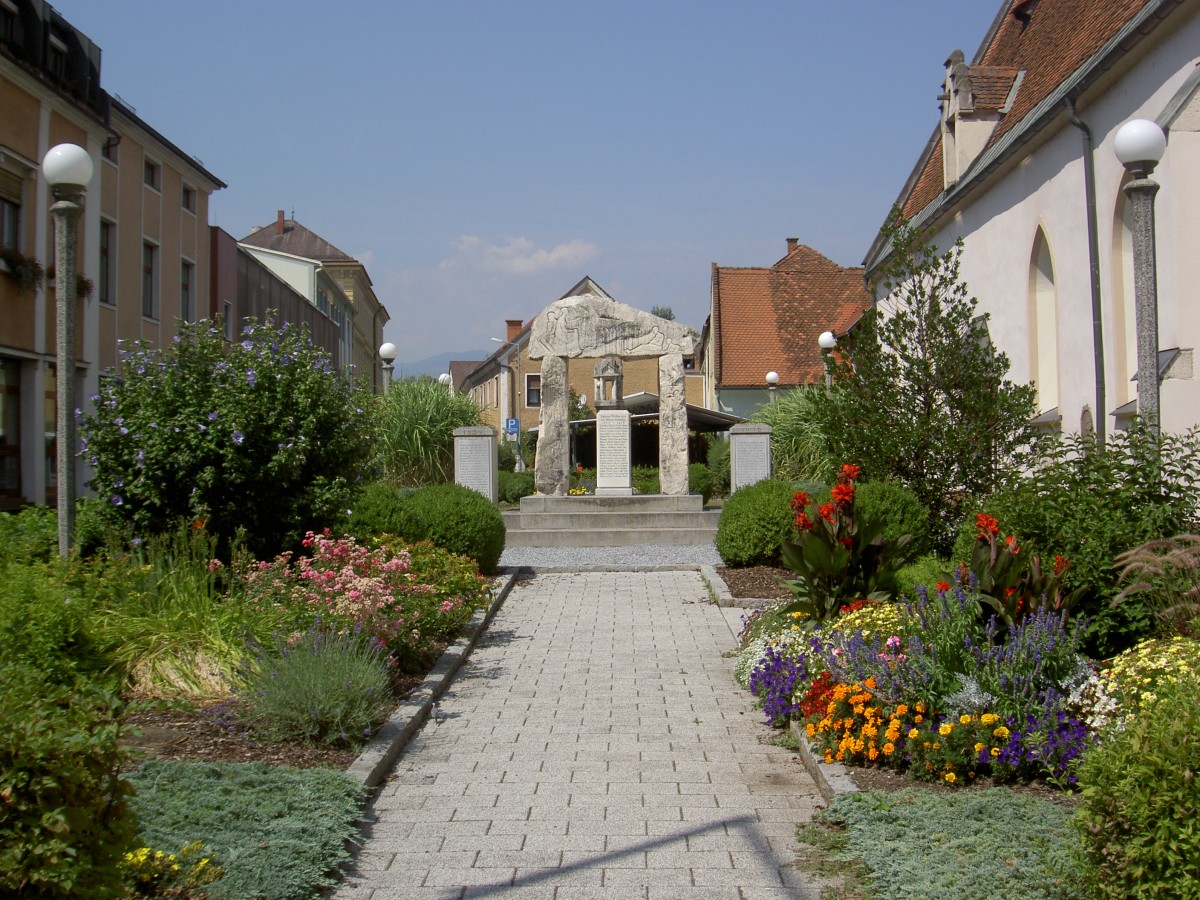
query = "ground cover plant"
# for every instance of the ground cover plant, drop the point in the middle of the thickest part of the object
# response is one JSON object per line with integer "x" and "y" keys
{"x": 917, "y": 844}
{"x": 260, "y": 434}
{"x": 274, "y": 831}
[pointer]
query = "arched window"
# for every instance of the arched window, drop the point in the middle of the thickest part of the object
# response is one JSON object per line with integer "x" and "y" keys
{"x": 1043, "y": 307}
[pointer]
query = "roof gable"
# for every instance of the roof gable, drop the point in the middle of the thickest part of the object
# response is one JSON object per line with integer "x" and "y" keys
{"x": 769, "y": 318}
{"x": 289, "y": 236}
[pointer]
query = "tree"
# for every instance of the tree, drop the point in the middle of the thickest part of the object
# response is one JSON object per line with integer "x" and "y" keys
{"x": 921, "y": 394}
{"x": 577, "y": 407}
{"x": 663, "y": 312}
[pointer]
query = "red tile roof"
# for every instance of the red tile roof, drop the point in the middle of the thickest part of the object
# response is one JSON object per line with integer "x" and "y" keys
{"x": 767, "y": 319}
{"x": 1047, "y": 41}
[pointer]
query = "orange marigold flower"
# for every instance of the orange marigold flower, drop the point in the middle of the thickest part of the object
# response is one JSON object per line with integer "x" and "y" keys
{"x": 889, "y": 748}
{"x": 850, "y": 471}
{"x": 902, "y": 709}
{"x": 986, "y": 525}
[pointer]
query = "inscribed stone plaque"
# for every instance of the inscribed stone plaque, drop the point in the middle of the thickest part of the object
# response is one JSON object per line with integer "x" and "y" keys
{"x": 475, "y": 459}
{"x": 612, "y": 453}
{"x": 749, "y": 454}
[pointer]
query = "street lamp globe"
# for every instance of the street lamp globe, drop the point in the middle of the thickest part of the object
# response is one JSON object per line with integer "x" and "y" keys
{"x": 444, "y": 379}
{"x": 1140, "y": 144}
{"x": 772, "y": 378}
{"x": 67, "y": 166}
{"x": 387, "y": 352}
{"x": 827, "y": 341}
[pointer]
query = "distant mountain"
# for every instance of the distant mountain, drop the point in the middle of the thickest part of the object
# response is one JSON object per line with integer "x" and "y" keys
{"x": 436, "y": 365}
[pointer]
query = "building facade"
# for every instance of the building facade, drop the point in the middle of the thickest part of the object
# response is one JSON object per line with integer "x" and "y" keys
{"x": 143, "y": 251}
{"x": 1021, "y": 166}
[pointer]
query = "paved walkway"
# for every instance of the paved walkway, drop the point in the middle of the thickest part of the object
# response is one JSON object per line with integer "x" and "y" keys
{"x": 594, "y": 745}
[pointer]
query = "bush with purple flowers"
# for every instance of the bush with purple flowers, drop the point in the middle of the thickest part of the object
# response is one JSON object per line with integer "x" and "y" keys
{"x": 261, "y": 434}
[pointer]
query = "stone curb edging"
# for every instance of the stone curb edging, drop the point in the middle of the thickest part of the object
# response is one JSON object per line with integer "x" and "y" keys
{"x": 389, "y": 741}
{"x": 831, "y": 778}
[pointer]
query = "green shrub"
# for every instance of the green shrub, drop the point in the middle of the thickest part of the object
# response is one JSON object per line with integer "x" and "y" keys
{"x": 898, "y": 509}
{"x": 700, "y": 481}
{"x": 30, "y": 535}
{"x": 1089, "y": 507}
{"x": 799, "y": 449}
{"x": 66, "y": 823}
{"x": 645, "y": 480}
{"x": 460, "y": 520}
{"x": 415, "y": 421}
{"x": 1141, "y": 802}
{"x": 276, "y": 831}
{"x": 324, "y": 688}
{"x": 926, "y": 571}
{"x": 512, "y": 486}
{"x": 260, "y": 434}
{"x": 44, "y": 622}
{"x": 754, "y": 523}
{"x": 718, "y": 463}
{"x": 381, "y": 509}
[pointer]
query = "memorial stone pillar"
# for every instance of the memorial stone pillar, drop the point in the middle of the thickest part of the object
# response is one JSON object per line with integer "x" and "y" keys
{"x": 672, "y": 426}
{"x": 552, "y": 461}
{"x": 475, "y": 459}
{"x": 749, "y": 454}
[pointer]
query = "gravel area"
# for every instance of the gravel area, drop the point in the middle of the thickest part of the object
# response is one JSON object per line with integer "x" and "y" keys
{"x": 590, "y": 559}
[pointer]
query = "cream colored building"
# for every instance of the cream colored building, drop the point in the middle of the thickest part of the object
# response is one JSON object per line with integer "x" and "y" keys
{"x": 1022, "y": 153}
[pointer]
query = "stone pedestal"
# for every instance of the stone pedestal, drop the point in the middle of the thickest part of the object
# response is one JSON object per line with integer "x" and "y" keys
{"x": 672, "y": 426}
{"x": 551, "y": 464}
{"x": 475, "y": 459}
{"x": 613, "y": 478}
{"x": 749, "y": 454}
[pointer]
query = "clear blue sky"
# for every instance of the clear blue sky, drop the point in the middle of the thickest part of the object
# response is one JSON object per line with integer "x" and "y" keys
{"x": 480, "y": 158}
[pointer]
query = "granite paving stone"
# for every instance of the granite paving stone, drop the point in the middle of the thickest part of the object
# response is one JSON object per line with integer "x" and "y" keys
{"x": 594, "y": 744}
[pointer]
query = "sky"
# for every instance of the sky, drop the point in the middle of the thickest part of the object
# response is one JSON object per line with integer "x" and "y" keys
{"x": 480, "y": 158}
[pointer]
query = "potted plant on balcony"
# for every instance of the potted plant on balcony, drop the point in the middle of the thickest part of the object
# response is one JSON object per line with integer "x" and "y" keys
{"x": 26, "y": 271}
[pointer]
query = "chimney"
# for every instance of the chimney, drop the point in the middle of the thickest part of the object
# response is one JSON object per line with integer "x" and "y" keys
{"x": 791, "y": 245}
{"x": 279, "y": 222}
{"x": 513, "y": 328}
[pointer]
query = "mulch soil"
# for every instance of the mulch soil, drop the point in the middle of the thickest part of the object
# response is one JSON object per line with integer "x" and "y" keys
{"x": 756, "y": 582}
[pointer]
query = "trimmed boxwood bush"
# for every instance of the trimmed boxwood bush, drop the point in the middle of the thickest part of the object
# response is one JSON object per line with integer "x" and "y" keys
{"x": 755, "y": 522}
{"x": 460, "y": 520}
{"x": 380, "y": 509}
{"x": 66, "y": 823}
{"x": 900, "y": 510}
{"x": 700, "y": 480}
{"x": 512, "y": 486}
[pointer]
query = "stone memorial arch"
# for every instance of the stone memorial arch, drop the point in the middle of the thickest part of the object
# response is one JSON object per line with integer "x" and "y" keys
{"x": 588, "y": 326}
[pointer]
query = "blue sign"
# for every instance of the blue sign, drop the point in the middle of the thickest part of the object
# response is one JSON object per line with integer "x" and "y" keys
{"x": 510, "y": 426}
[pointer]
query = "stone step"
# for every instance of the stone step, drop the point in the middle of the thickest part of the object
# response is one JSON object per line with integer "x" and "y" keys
{"x": 589, "y": 521}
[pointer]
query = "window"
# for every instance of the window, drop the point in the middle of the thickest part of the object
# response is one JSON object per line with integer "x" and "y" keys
{"x": 56, "y": 58}
{"x": 188, "y": 200}
{"x": 227, "y": 320}
{"x": 186, "y": 310}
{"x": 108, "y": 150}
{"x": 10, "y": 431}
{"x": 107, "y": 250}
{"x": 533, "y": 390}
{"x": 1044, "y": 307}
{"x": 152, "y": 174}
{"x": 323, "y": 300}
{"x": 149, "y": 281}
{"x": 8, "y": 21}
{"x": 10, "y": 224}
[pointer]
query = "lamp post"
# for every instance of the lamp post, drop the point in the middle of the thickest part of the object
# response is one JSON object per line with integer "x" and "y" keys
{"x": 68, "y": 169}
{"x": 827, "y": 341}
{"x": 444, "y": 380}
{"x": 772, "y": 384}
{"x": 387, "y": 353}
{"x": 519, "y": 462}
{"x": 1139, "y": 145}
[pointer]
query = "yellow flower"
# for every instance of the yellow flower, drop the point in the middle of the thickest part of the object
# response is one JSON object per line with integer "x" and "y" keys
{"x": 937, "y": 745}
{"x": 902, "y": 709}
{"x": 945, "y": 729}
{"x": 989, "y": 718}
{"x": 914, "y": 733}
{"x": 978, "y": 747}
{"x": 1001, "y": 733}
{"x": 951, "y": 778}
{"x": 889, "y": 748}
{"x": 964, "y": 719}
{"x": 919, "y": 719}
{"x": 811, "y": 729}
{"x": 995, "y": 751}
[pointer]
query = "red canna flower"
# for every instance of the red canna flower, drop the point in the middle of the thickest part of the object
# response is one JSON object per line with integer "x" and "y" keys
{"x": 846, "y": 542}
{"x": 1011, "y": 543}
{"x": 942, "y": 587}
{"x": 826, "y": 510}
{"x": 843, "y": 494}
{"x": 1060, "y": 565}
{"x": 803, "y": 522}
{"x": 800, "y": 502}
{"x": 986, "y": 525}
{"x": 850, "y": 471}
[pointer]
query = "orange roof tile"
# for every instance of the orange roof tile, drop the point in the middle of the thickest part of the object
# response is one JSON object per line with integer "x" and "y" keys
{"x": 769, "y": 318}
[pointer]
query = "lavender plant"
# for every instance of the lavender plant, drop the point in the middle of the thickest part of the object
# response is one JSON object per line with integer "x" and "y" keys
{"x": 261, "y": 434}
